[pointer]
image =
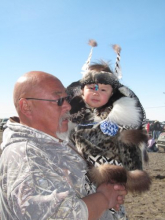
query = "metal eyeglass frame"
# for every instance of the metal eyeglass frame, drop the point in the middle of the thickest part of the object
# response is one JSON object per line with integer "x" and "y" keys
{"x": 59, "y": 101}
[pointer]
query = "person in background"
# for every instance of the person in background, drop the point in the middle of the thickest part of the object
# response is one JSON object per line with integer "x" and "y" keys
{"x": 151, "y": 144}
{"x": 148, "y": 128}
{"x": 42, "y": 176}
{"x": 151, "y": 128}
{"x": 163, "y": 129}
{"x": 156, "y": 129}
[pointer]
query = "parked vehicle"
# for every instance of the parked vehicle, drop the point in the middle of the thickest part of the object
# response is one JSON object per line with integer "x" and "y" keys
{"x": 161, "y": 141}
{"x": 2, "y": 123}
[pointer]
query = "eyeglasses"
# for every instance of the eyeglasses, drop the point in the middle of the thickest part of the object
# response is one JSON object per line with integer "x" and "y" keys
{"x": 59, "y": 101}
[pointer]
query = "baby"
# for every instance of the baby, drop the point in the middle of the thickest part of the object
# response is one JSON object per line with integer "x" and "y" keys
{"x": 110, "y": 119}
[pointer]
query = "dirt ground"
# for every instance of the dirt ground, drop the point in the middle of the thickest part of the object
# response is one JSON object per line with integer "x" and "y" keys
{"x": 150, "y": 205}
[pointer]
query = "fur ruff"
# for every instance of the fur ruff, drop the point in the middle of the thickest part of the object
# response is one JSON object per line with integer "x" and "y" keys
{"x": 138, "y": 181}
{"x": 135, "y": 181}
{"x": 123, "y": 108}
{"x": 135, "y": 137}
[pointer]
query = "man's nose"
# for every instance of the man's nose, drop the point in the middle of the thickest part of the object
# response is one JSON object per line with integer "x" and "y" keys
{"x": 66, "y": 105}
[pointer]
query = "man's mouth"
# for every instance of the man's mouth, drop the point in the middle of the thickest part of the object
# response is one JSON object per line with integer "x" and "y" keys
{"x": 65, "y": 118}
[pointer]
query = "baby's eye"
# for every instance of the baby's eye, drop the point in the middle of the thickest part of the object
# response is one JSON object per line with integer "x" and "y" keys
{"x": 90, "y": 86}
{"x": 104, "y": 90}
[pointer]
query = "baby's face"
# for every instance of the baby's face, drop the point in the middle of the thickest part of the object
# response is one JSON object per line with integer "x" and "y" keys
{"x": 97, "y": 95}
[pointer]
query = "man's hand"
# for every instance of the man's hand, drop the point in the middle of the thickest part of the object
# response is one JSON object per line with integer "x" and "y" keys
{"x": 114, "y": 193}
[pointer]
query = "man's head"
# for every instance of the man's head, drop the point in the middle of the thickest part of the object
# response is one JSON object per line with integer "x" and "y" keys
{"x": 47, "y": 116}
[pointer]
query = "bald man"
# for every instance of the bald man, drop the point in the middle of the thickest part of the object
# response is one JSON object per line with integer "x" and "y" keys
{"x": 42, "y": 176}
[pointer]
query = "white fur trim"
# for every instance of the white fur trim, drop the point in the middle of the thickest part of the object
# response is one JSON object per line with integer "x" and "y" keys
{"x": 125, "y": 112}
{"x": 125, "y": 91}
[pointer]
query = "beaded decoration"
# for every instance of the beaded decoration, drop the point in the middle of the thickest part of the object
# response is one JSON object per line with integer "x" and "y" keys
{"x": 109, "y": 128}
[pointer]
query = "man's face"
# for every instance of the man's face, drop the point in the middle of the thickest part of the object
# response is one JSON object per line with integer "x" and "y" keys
{"x": 48, "y": 116}
{"x": 97, "y": 95}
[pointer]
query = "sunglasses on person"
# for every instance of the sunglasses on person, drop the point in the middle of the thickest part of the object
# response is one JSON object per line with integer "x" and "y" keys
{"x": 59, "y": 101}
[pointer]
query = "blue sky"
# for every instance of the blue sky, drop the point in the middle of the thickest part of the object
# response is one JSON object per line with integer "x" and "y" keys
{"x": 52, "y": 36}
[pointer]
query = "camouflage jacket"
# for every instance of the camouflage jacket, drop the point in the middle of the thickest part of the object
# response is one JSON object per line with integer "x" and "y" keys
{"x": 41, "y": 178}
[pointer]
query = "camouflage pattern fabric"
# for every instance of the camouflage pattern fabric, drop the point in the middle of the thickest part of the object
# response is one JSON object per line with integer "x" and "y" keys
{"x": 41, "y": 178}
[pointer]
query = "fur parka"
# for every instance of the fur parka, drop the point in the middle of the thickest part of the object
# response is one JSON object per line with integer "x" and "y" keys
{"x": 126, "y": 148}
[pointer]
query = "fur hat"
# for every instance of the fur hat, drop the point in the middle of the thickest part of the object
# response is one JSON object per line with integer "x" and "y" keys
{"x": 93, "y": 77}
{"x": 97, "y": 73}
{"x": 101, "y": 72}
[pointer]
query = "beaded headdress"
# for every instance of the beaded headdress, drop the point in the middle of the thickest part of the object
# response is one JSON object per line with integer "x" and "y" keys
{"x": 102, "y": 77}
{"x": 94, "y": 77}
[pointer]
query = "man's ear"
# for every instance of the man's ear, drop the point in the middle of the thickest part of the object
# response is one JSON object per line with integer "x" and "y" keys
{"x": 25, "y": 107}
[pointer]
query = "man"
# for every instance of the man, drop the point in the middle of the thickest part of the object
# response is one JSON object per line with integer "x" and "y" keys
{"x": 156, "y": 129}
{"x": 43, "y": 177}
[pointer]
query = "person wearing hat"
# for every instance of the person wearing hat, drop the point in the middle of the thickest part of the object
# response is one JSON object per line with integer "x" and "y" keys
{"x": 109, "y": 119}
